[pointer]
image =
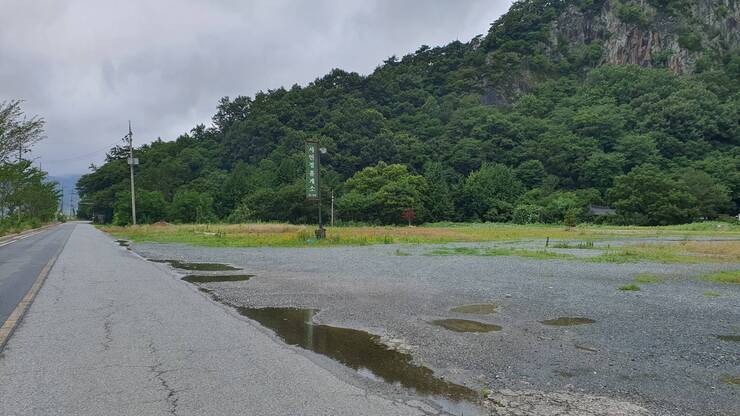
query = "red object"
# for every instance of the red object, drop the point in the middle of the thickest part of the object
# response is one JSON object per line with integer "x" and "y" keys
{"x": 409, "y": 215}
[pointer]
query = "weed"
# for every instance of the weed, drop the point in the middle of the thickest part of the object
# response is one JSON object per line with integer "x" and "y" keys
{"x": 401, "y": 253}
{"x": 684, "y": 252}
{"x": 710, "y": 294}
{"x": 580, "y": 245}
{"x": 648, "y": 278}
{"x": 732, "y": 277}
{"x": 630, "y": 287}
{"x": 499, "y": 251}
{"x": 727, "y": 379}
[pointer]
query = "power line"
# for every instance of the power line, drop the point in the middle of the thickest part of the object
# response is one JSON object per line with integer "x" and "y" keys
{"x": 106, "y": 148}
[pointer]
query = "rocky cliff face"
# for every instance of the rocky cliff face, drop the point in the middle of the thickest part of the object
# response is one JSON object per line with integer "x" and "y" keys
{"x": 634, "y": 32}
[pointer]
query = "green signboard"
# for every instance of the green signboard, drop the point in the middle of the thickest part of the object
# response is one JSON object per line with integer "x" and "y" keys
{"x": 312, "y": 170}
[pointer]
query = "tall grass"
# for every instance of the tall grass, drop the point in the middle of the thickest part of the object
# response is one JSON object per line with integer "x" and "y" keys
{"x": 286, "y": 235}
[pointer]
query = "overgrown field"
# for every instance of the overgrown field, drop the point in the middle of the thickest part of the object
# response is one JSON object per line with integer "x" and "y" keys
{"x": 285, "y": 235}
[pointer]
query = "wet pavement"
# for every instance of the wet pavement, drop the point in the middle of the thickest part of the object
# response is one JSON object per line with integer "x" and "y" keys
{"x": 123, "y": 336}
{"x": 567, "y": 336}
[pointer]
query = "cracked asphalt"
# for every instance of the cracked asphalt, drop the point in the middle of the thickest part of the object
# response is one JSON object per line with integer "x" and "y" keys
{"x": 112, "y": 334}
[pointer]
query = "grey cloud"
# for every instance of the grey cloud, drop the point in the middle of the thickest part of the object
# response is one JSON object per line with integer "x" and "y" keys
{"x": 88, "y": 66}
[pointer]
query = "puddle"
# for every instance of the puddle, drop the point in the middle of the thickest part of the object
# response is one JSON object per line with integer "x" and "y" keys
{"x": 463, "y": 325}
{"x": 567, "y": 321}
{"x": 203, "y": 267}
{"x": 364, "y": 353}
{"x": 476, "y": 309}
{"x": 202, "y": 278}
{"x": 735, "y": 338}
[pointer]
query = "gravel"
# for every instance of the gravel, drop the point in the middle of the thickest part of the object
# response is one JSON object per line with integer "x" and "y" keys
{"x": 655, "y": 348}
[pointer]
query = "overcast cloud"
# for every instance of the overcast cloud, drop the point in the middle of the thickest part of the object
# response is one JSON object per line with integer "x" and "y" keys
{"x": 88, "y": 66}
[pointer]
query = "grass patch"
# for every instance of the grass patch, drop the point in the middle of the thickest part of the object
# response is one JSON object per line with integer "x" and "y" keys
{"x": 710, "y": 294}
{"x": 499, "y": 251}
{"x": 732, "y": 380}
{"x": 648, "y": 278}
{"x": 733, "y": 338}
{"x": 401, "y": 253}
{"x": 630, "y": 287}
{"x": 683, "y": 252}
{"x": 732, "y": 277}
{"x": 287, "y": 235}
{"x": 583, "y": 245}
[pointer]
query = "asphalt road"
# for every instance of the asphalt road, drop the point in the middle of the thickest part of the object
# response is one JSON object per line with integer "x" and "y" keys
{"x": 22, "y": 259}
{"x": 112, "y": 334}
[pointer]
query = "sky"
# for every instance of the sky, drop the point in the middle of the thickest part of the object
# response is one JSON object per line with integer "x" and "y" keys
{"x": 89, "y": 66}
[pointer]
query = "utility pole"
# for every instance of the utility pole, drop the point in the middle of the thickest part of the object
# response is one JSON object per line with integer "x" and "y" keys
{"x": 61, "y": 200}
{"x": 131, "y": 163}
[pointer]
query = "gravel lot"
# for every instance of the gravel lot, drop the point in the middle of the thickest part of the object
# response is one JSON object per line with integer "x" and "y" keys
{"x": 655, "y": 348}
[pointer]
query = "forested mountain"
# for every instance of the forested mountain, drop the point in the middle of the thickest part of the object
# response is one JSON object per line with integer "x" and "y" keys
{"x": 563, "y": 104}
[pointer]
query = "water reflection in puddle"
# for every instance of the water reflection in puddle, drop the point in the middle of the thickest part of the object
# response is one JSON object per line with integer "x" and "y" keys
{"x": 203, "y": 267}
{"x": 463, "y": 325}
{"x": 198, "y": 278}
{"x": 567, "y": 321}
{"x": 364, "y": 353}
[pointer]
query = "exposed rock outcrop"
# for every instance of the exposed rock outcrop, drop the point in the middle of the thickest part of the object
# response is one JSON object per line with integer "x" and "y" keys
{"x": 652, "y": 37}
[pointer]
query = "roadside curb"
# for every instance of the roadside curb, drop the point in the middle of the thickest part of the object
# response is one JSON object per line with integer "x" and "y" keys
{"x": 15, "y": 317}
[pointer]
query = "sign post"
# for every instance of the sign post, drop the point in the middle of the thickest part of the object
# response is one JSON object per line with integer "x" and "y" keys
{"x": 313, "y": 183}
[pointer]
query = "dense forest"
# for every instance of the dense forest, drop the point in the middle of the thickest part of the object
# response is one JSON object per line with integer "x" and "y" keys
{"x": 561, "y": 106}
{"x": 27, "y": 197}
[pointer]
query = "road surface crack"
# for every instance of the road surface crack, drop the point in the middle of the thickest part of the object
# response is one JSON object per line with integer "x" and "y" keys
{"x": 159, "y": 372}
{"x": 108, "y": 326}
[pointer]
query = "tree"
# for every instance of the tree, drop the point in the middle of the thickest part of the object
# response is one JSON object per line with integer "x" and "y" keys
{"x": 191, "y": 207}
{"x": 600, "y": 169}
{"x": 17, "y": 133}
{"x": 488, "y": 194}
{"x": 527, "y": 214}
{"x": 648, "y": 196}
{"x": 409, "y": 215}
{"x": 381, "y": 193}
{"x": 150, "y": 207}
{"x": 440, "y": 206}
{"x": 531, "y": 173}
{"x": 637, "y": 149}
{"x": 26, "y": 195}
{"x": 712, "y": 198}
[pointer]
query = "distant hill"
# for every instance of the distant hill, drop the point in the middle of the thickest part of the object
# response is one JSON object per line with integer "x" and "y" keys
{"x": 562, "y": 105}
